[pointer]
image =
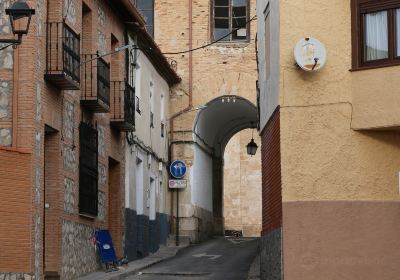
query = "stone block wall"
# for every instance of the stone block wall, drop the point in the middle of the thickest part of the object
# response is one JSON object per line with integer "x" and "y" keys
{"x": 242, "y": 186}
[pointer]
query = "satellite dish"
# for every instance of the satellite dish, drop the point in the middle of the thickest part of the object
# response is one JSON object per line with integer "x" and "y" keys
{"x": 310, "y": 54}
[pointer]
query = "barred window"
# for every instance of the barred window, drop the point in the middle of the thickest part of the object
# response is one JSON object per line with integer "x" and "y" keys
{"x": 88, "y": 169}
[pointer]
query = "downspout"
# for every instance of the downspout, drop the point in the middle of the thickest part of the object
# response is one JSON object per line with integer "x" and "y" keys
{"x": 190, "y": 105}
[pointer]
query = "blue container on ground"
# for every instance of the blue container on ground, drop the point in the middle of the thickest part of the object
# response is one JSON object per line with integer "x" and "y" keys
{"x": 106, "y": 248}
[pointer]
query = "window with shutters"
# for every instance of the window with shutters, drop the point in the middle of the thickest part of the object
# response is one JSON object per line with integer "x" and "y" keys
{"x": 230, "y": 20}
{"x": 88, "y": 169}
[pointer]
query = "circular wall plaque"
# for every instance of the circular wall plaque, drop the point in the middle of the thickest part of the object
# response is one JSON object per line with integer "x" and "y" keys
{"x": 310, "y": 54}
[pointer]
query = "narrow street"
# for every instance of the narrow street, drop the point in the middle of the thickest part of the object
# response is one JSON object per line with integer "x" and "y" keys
{"x": 220, "y": 258}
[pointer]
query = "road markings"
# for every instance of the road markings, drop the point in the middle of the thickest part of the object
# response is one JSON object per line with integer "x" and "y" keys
{"x": 204, "y": 255}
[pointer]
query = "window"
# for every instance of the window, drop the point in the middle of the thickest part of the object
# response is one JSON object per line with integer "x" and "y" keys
{"x": 138, "y": 85}
{"x": 162, "y": 109}
{"x": 151, "y": 104}
{"x": 103, "y": 80}
{"x": 376, "y": 33}
{"x": 88, "y": 169}
{"x": 162, "y": 115}
{"x": 228, "y": 16}
{"x": 147, "y": 9}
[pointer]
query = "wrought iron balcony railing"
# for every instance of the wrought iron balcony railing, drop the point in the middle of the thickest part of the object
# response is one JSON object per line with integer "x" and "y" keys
{"x": 95, "y": 89}
{"x": 62, "y": 56}
{"x": 122, "y": 106}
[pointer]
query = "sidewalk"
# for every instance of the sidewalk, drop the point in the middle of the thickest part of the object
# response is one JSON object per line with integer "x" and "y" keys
{"x": 134, "y": 267}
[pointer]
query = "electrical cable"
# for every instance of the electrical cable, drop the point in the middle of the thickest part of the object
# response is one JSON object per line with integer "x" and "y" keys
{"x": 213, "y": 42}
{"x": 167, "y": 53}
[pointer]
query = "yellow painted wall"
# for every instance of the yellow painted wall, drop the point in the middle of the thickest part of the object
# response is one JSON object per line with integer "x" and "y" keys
{"x": 323, "y": 158}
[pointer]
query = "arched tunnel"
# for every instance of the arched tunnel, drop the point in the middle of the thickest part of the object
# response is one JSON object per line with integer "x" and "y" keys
{"x": 214, "y": 126}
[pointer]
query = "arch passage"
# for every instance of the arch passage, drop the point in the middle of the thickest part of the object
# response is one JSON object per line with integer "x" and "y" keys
{"x": 213, "y": 128}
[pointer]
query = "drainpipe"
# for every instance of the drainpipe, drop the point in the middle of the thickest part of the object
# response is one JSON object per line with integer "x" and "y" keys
{"x": 189, "y": 106}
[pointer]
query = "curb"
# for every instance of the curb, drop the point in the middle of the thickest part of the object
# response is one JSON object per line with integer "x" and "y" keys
{"x": 129, "y": 271}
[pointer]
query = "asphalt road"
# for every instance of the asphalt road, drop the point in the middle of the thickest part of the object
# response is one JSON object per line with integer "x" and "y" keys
{"x": 217, "y": 259}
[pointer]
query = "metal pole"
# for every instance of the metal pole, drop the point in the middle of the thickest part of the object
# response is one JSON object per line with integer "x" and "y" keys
{"x": 177, "y": 217}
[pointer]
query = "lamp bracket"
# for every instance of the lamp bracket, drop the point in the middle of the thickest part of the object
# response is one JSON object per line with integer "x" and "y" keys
{"x": 11, "y": 42}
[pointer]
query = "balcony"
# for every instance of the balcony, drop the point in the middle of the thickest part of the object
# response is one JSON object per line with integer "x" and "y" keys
{"x": 62, "y": 56}
{"x": 122, "y": 106}
{"x": 88, "y": 170}
{"x": 95, "y": 88}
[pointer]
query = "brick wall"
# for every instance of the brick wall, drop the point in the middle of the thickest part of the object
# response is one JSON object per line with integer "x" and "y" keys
{"x": 271, "y": 175}
{"x": 15, "y": 197}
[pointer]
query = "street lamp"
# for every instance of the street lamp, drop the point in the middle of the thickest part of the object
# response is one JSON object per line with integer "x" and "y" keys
{"x": 252, "y": 146}
{"x": 20, "y": 18}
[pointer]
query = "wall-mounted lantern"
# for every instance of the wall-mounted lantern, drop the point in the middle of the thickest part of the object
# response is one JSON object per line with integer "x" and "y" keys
{"x": 252, "y": 147}
{"x": 20, "y": 18}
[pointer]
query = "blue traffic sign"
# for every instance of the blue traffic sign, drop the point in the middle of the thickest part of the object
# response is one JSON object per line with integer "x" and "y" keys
{"x": 178, "y": 169}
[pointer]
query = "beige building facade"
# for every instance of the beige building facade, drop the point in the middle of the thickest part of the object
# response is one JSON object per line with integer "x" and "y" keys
{"x": 337, "y": 137}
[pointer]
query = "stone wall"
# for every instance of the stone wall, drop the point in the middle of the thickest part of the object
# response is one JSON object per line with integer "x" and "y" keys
{"x": 70, "y": 201}
{"x": 242, "y": 186}
{"x": 5, "y": 27}
{"x": 16, "y": 276}
{"x": 79, "y": 254}
{"x": 6, "y": 63}
{"x": 5, "y": 137}
{"x": 5, "y": 100}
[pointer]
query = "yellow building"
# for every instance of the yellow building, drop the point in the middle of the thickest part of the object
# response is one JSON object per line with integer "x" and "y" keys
{"x": 331, "y": 139}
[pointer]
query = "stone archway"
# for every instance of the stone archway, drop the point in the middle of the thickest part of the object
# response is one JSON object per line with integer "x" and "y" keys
{"x": 213, "y": 127}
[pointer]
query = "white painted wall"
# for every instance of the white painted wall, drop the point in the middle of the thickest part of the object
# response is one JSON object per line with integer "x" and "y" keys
{"x": 149, "y": 87}
{"x": 202, "y": 182}
{"x": 137, "y": 182}
{"x": 269, "y": 86}
{"x": 130, "y": 177}
{"x": 140, "y": 184}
